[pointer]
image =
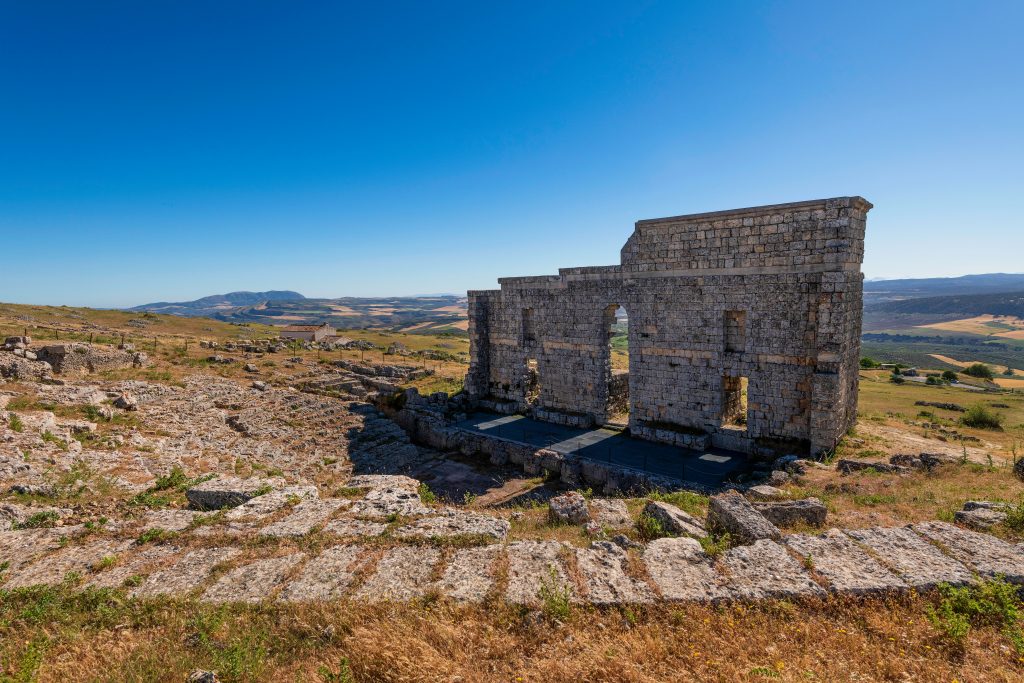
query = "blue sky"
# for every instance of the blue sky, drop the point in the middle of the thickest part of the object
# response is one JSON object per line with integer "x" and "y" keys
{"x": 165, "y": 150}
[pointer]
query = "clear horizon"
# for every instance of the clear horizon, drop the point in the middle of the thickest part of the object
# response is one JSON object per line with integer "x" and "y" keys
{"x": 169, "y": 151}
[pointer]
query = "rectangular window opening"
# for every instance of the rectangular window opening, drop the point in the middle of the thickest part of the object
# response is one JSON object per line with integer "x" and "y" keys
{"x": 735, "y": 331}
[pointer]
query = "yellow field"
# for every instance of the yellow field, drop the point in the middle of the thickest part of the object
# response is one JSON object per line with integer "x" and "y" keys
{"x": 1007, "y": 326}
{"x": 1010, "y": 382}
{"x": 965, "y": 363}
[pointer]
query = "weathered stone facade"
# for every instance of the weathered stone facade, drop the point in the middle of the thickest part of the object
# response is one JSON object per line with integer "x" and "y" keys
{"x": 767, "y": 298}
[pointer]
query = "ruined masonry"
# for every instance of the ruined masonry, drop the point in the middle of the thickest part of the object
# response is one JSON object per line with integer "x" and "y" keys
{"x": 764, "y": 301}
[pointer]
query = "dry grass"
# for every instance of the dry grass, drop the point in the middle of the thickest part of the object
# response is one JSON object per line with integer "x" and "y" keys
{"x": 868, "y": 499}
{"x": 101, "y": 636}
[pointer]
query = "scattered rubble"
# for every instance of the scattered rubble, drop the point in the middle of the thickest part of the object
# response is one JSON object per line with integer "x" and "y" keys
{"x": 730, "y": 513}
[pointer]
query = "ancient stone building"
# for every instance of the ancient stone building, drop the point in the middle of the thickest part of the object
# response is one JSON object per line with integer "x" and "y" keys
{"x": 744, "y": 330}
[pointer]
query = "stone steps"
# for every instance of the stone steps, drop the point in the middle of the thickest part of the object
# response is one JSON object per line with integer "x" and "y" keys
{"x": 365, "y": 552}
{"x": 856, "y": 562}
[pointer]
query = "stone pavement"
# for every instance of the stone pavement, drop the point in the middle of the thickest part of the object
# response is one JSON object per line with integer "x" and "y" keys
{"x": 416, "y": 551}
{"x": 708, "y": 467}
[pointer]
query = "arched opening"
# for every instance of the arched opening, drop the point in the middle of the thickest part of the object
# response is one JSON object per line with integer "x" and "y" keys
{"x": 616, "y": 321}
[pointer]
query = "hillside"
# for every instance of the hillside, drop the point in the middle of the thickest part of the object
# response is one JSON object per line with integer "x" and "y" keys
{"x": 988, "y": 283}
{"x": 419, "y": 314}
{"x": 217, "y": 303}
{"x": 998, "y": 304}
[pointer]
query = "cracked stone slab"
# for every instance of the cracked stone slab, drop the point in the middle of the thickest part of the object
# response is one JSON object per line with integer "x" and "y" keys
{"x": 307, "y": 515}
{"x": 403, "y": 573}
{"x": 983, "y": 553}
{"x": 384, "y": 481}
{"x": 269, "y": 503}
{"x": 469, "y": 576}
{"x": 610, "y": 512}
{"x": 385, "y": 508}
{"x": 673, "y": 520}
{"x": 169, "y": 520}
{"x": 605, "y": 581}
{"x": 765, "y": 570}
{"x": 252, "y": 582}
{"x": 53, "y": 568}
{"x": 846, "y": 567}
{"x": 185, "y": 575}
{"x": 453, "y": 523}
{"x": 533, "y": 564}
{"x": 228, "y": 492}
{"x": 20, "y": 548}
{"x": 129, "y": 565}
{"x": 326, "y": 576}
{"x": 682, "y": 571}
{"x": 917, "y": 561}
{"x": 355, "y": 527}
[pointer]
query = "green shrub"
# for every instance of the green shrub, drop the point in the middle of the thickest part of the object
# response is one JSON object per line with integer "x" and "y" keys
{"x": 990, "y": 603}
{"x": 650, "y": 528}
{"x": 981, "y": 417}
{"x": 979, "y": 370}
{"x": 949, "y": 375}
{"x": 869, "y": 363}
{"x": 16, "y": 424}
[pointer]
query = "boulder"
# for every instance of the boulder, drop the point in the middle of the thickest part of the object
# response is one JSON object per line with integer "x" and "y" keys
{"x": 980, "y": 518}
{"x": 730, "y": 513}
{"x": 778, "y": 478}
{"x": 674, "y": 520}
{"x": 790, "y": 513}
{"x": 569, "y": 508}
{"x": 126, "y": 402}
{"x": 610, "y": 512}
{"x": 765, "y": 492}
{"x": 848, "y": 466}
{"x": 1018, "y": 469}
{"x": 249, "y": 367}
{"x": 229, "y": 492}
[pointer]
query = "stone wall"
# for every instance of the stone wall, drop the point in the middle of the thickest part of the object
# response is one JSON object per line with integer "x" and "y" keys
{"x": 81, "y": 358}
{"x": 771, "y": 294}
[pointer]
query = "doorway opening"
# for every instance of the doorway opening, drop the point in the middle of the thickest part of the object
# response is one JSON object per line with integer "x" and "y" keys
{"x": 532, "y": 382}
{"x": 734, "y": 402}
{"x": 617, "y": 374}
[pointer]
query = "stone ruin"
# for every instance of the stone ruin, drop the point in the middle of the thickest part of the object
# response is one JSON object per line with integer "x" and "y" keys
{"x": 763, "y": 301}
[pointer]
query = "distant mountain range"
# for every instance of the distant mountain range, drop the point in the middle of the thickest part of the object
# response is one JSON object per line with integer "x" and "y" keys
{"x": 209, "y": 305}
{"x": 990, "y": 283}
{"x": 431, "y": 313}
{"x": 905, "y": 304}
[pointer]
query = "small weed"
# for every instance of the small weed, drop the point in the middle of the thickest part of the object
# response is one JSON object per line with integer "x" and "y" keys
{"x": 342, "y": 675}
{"x": 554, "y": 596}
{"x": 60, "y": 443}
{"x": 427, "y": 496}
{"x": 650, "y": 528}
{"x": 16, "y": 424}
{"x": 714, "y": 545}
{"x": 40, "y": 520}
{"x": 155, "y": 535}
